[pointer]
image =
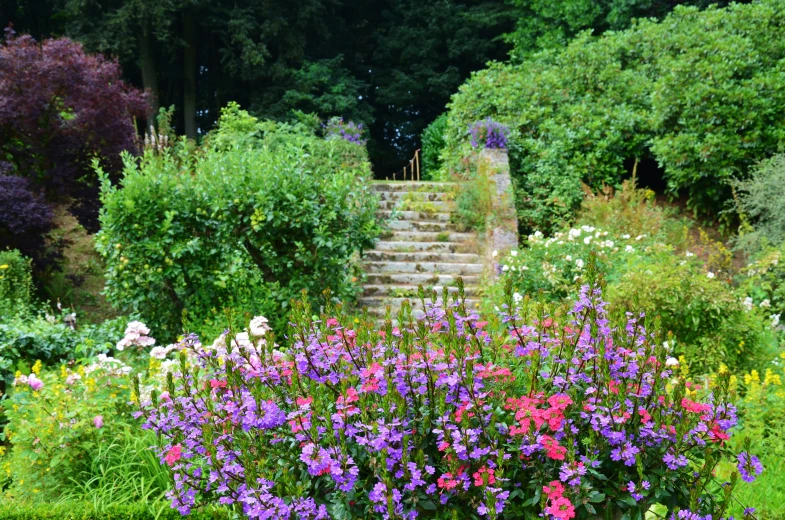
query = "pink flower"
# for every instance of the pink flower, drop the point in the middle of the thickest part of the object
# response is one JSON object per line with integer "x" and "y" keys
{"x": 98, "y": 421}
{"x": 561, "y": 508}
{"x": 35, "y": 383}
{"x": 173, "y": 455}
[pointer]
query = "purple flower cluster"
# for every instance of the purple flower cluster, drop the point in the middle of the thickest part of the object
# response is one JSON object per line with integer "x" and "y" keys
{"x": 489, "y": 134}
{"x": 749, "y": 466}
{"x": 444, "y": 412}
{"x": 337, "y": 128}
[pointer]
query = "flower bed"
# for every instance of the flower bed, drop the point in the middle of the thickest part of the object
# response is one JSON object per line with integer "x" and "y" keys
{"x": 449, "y": 417}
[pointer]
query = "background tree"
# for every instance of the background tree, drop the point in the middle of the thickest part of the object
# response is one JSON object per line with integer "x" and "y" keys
{"x": 60, "y": 108}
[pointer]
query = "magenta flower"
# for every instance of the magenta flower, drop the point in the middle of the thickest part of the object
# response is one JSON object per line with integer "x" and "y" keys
{"x": 98, "y": 421}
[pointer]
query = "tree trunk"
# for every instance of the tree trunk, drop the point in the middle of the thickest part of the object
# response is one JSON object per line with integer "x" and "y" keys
{"x": 149, "y": 73}
{"x": 189, "y": 74}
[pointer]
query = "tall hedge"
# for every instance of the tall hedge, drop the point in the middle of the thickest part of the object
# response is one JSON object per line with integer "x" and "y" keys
{"x": 242, "y": 225}
{"x": 702, "y": 93}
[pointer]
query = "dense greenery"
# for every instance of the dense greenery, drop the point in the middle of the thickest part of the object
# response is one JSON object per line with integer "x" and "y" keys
{"x": 700, "y": 92}
{"x": 761, "y": 201}
{"x": 243, "y": 224}
{"x": 89, "y": 511}
{"x": 432, "y": 146}
{"x": 390, "y": 64}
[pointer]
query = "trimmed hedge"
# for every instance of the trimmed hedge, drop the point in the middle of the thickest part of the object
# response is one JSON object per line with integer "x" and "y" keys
{"x": 88, "y": 511}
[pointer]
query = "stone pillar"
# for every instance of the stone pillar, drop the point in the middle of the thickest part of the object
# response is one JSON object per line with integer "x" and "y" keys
{"x": 502, "y": 223}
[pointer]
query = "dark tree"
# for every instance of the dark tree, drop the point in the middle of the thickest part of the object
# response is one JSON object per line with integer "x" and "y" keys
{"x": 60, "y": 108}
{"x": 25, "y": 219}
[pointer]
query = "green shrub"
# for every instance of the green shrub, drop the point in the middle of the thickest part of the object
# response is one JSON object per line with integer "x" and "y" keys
{"x": 240, "y": 226}
{"x": 761, "y": 200}
{"x": 709, "y": 322}
{"x": 762, "y": 283}
{"x": 53, "y": 427}
{"x": 89, "y": 511}
{"x": 701, "y": 92}
{"x": 432, "y": 146}
{"x": 16, "y": 283}
{"x": 25, "y": 339}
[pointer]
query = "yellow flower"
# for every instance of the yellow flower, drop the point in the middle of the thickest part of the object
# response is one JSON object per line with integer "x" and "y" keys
{"x": 771, "y": 378}
{"x": 723, "y": 368}
{"x": 37, "y": 367}
{"x": 752, "y": 377}
{"x": 4, "y": 266}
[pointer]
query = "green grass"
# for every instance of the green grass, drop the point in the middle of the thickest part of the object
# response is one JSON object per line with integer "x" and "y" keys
{"x": 125, "y": 471}
{"x": 766, "y": 494}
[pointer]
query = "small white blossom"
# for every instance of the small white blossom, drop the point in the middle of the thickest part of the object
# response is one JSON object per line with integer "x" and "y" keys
{"x": 516, "y": 297}
{"x": 710, "y": 274}
{"x": 629, "y": 249}
{"x": 568, "y": 258}
{"x": 689, "y": 254}
{"x": 258, "y": 326}
{"x": 775, "y": 320}
{"x": 747, "y": 303}
{"x": 579, "y": 263}
{"x": 640, "y": 237}
{"x": 625, "y": 237}
{"x": 495, "y": 253}
{"x": 671, "y": 362}
{"x": 587, "y": 240}
{"x": 514, "y": 253}
{"x": 505, "y": 268}
{"x": 765, "y": 304}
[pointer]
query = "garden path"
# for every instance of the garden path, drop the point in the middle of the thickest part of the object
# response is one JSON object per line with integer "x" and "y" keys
{"x": 420, "y": 247}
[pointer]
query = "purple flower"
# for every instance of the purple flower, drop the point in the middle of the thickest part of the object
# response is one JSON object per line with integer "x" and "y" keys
{"x": 749, "y": 466}
{"x": 98, "y": 421}
{"x": 489, "y": 134}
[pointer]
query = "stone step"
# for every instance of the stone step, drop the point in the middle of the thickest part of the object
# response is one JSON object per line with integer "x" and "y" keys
{"x": 425, "y": 206}
{"x": 418, "y": 279}
{"x": 410, "y": 291}
{"x": 380, "y": 303}
{"x": 429, "y": 236}
{"x": 425, "y": 256}
{"x": 422, "y": 216}
{"x": 423, "y": 267}
{"x": 412, "y": 186}
{"x": 431, "y": 247}
{"x": 415, "y": 195}
{"x": 415, "y": 225}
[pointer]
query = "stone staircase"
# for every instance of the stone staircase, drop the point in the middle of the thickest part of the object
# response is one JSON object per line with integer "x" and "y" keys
{"x": 421, "y": 247}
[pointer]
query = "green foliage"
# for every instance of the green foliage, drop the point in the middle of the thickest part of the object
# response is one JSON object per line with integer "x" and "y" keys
{"x": 700, "y": 92}
{"x": 761, "y": 200}
{"x": 432, "y": 146}
{"x": 27, "y": 338}
{"x": 709, "y": 322}
{"x": 243, "y": 224}
{"x": 650, "y": 263}
{"x": 544, "y": 25}
{"x": 16, "y": 283}
{"x": 474, "y": 197}
{"x": 763, "y": 283}
{"x": 89, "y": 511}
{"x": 53, "y": 429}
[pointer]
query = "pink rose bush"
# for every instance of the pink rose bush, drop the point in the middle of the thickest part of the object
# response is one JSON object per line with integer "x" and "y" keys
{"x": 559, "y": 416}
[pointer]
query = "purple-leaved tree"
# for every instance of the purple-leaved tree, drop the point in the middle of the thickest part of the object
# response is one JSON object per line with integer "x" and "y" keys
{"x": 60, "y": 108}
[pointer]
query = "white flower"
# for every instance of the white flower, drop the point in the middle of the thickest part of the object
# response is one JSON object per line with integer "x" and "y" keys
{"x": 258, "y": 326}
{"x": 516, "y": 297}
{"x": 629, "y": 249}
{"x": 573, "y": 233}
{"x": 137, "y": 327}
{"x": 639, "y": 237}
{"x": 514, "y": 253}
{"x": 689, "y": 254}
{"x": 625, "y": 237}
{"x": 158, "y": 353}
{"x": 51, "y": 319}
{"x": 710, "y": 274}
{"x": 72, "y": 378}
{"x": 20, "y": 380}
{"x": 747, "y": 303}
{"x": 671, "y": 362}
{"x": 579, "y": 263}
{"x": 505, "y": 268}
{"x": 538, "y": 234}
{"x": 170, "y": 365}
{"x": 609, "y": 244}
{"x": 568, "y": 258}
{"x": 587, "y": 240}
{"x": 524, "y": 268}
{"x": 775, "y": 320}
{"x": 765, "y": 304}
{"x": 495, "y": 253}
